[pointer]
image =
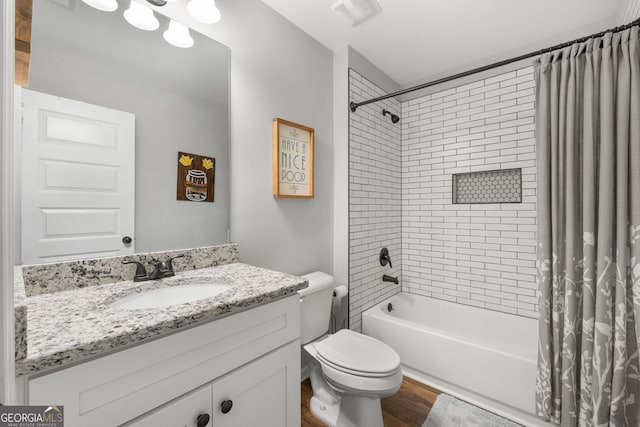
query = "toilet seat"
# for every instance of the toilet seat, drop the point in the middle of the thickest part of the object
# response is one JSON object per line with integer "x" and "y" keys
{"x": 380, "y": 386}
{"x": 352, "y": 371}
{"x": 356, "y": 354}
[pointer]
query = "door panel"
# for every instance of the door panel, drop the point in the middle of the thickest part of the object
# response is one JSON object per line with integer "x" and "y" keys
{"x": 79, "y": 222}
{"x": 182, "y": 412}
{"x": 62, "y": 175}
{"x": 78, "y": 129}
{"x": 266, "y": 392}
{"x": 77, "y": 179}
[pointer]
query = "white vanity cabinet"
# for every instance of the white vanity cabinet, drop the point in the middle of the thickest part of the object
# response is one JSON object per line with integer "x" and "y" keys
{"x": 249, "y": 360}
{"x": 257, "y": 394}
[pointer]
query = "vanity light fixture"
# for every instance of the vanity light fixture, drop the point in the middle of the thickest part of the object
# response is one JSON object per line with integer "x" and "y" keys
{"x": 103, "y": 5}
{"x": 161, "y": 3}
{"x": 178, "y": 35}
{"x": 204, "y": 11}
{"x": 141, "y": 17}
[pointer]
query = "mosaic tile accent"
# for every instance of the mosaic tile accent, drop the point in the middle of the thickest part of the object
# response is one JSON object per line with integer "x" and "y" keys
{"x": 496, "y": 186}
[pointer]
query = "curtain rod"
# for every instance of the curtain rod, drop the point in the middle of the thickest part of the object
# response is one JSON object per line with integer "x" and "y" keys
{"x": 354, "y": 105}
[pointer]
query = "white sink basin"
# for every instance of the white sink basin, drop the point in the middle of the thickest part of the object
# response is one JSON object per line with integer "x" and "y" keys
{"x": 171, "y": 295}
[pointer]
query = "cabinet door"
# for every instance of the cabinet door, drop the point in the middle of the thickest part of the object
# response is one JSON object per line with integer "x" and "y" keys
{"x": 181, "y": 412}
{"x": 263, "y": 393}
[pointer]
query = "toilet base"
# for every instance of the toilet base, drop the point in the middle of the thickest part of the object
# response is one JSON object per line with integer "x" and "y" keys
{"x": 328, "y": 414}
{"x": 358, "y": 411}
{"x": 350, "y": 411}
{"x": 345, "y": 410}
{"x": 325, "y": 403}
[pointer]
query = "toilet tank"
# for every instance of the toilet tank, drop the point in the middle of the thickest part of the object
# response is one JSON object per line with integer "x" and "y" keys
{"x": 315, "y": 306}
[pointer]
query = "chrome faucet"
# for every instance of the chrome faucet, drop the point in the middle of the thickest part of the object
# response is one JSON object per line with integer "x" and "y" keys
{"x": 161, "y": 269}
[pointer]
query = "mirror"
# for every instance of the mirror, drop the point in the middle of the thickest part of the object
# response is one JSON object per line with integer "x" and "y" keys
{"x": 179, "y": 96}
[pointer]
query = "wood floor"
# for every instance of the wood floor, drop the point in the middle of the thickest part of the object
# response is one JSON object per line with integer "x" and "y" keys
{"x": 409, "y": 407}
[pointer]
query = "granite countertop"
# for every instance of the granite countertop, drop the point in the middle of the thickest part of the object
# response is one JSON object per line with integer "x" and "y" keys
{"x": 70, "y": 325}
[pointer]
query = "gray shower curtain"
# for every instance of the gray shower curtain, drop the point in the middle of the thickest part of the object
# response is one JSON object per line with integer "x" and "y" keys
{"x": 588, "y": 160}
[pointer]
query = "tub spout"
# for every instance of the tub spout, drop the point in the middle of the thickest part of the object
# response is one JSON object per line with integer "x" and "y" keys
{"x": 387, "y": 278}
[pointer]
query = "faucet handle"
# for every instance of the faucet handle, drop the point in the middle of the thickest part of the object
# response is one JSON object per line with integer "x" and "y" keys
{"x": 141, "y": 272}
{"x": 169, "y": 265}
{"x": 174, "y": 257}
{"x": 385, "y": 258}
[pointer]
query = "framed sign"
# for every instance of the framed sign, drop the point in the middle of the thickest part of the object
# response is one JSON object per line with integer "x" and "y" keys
{"x": 292, "y": 159}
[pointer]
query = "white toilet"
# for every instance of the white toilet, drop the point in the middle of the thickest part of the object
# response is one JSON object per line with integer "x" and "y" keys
{"x": 350, "y": 372}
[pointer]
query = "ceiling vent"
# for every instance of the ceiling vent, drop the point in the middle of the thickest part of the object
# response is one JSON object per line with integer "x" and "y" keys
{"x": 356, "y": 11}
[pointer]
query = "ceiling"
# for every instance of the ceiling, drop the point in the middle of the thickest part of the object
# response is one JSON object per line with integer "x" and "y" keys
{"x": 414, "y": 41}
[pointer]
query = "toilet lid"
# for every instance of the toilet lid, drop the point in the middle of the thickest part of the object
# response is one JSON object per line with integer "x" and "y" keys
{"x": 351, "y": 351}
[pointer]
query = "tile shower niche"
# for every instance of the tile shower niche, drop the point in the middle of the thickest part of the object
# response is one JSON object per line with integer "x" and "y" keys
{"x": 495, "y": 186}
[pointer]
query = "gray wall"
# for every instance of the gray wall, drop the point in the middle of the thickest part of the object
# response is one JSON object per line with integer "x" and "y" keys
{"x": 277, "y": 71}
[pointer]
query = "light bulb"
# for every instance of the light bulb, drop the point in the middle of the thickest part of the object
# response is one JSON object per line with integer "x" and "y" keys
{"x": 103, "y": 5}
{"x": 178, "y": 35}
{"x": 204, "y": 11}
{"x": 141, "y": 17}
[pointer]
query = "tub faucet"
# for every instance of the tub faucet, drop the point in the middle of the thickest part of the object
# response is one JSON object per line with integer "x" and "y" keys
{"x": 387, "y": 278}
{"x": 385, "y": 258}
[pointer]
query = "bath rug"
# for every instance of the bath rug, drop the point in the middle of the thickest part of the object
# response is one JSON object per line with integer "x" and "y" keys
{"x": 451, "y": 412}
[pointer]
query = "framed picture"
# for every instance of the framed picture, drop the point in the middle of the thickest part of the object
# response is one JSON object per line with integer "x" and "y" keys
{"x": 196, "y": 177}
{"x": 292, "y": 159}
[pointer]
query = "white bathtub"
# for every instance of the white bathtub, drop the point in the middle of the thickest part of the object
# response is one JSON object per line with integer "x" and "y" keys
{"x": 484, "y": 357}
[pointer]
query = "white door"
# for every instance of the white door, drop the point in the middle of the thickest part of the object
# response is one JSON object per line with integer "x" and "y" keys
{"x": 77, "y": 179}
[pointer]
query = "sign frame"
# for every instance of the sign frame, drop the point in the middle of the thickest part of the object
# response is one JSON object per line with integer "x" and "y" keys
{"x": 293, "y": 160}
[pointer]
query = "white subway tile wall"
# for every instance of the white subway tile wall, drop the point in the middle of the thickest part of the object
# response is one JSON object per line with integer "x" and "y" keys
{"x": 374, "y": 198}
{"x": 476, "y": 254}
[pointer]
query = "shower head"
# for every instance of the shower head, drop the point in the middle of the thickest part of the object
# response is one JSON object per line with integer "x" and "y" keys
{"x": 394, "y": 117}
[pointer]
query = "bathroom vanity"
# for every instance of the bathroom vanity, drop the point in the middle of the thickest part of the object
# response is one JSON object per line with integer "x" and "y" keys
{"x": 228, "y": 360}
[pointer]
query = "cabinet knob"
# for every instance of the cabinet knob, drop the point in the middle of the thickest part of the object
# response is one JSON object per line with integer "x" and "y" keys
{"x": 226, "y": 406}
{"x": 127, "y": 240}
{"x": 202, "y": 420}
